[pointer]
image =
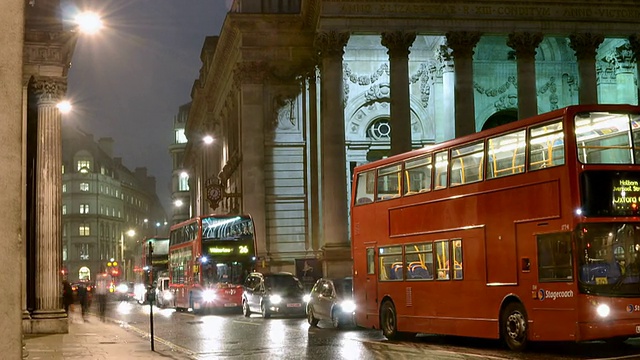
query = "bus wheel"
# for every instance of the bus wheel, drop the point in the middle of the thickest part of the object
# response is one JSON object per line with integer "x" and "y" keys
{"x": 245, "y": 309}
{"x": 513, "y": 326}
{"x": 388, "y": 321}
{"x": 310, "y": 318}
{"x": 265, "y": 312}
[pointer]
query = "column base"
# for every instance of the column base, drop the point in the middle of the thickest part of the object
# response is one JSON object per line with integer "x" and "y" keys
{"x": 337, "y": 261}
{"x": 26, "y": 322}
{"x": 49, "y": 322}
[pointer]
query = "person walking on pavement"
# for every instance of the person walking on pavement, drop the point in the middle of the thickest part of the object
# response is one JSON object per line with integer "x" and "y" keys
{"x": 103, "y": 283}
{"x": 83, "y": 299}
{"x": 67, "y": 296}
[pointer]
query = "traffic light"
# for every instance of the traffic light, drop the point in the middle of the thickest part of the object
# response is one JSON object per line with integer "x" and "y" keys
{"x": 112, "y": 268}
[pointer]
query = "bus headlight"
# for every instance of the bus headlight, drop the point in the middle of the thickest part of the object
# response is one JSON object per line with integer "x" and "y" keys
{"x": 603, "y": 310}
{"x": 208, "y": 295}
{"x": 348, "y": 306}
{"x": 275, "y": 299}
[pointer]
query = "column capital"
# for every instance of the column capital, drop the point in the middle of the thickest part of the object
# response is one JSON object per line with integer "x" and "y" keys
{"x": 524, "y": 43}
{"x": 331, "y": 43}
{"x": 622, "y": 58}
{"x": 585, "y": 45}
{"x": 48, "y": 90}
{"x": 462, "y": 43}
{"x": 398, "y": 42}
{"x": 634, "y": 42}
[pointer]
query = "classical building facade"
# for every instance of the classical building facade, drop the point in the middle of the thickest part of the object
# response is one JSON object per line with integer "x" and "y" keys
{"x": 179, "y": 173}
{"x": 297, "y": 93}
{"x": 104, "y": 208}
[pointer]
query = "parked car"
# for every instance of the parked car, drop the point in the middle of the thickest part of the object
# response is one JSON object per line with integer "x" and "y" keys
{"x": 332, "y": 299}
{"x": 273, "y": 293}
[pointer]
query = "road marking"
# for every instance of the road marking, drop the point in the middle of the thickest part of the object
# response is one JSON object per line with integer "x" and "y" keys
{"x": 403, "y": 348}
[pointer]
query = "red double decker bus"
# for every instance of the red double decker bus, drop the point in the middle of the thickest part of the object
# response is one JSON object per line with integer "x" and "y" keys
{"x": 209, "y": 257}
{"x": 528, "y": 231}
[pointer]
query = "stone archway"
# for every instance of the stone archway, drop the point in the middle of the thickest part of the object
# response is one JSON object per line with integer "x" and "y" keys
{"x": 500, "y": 118}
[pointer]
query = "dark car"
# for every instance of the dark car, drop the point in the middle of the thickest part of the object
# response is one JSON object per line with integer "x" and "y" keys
{"x": 271, "y": 294}
{"x": 332, "y": 299}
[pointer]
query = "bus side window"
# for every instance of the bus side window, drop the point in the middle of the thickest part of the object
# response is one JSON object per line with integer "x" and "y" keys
{"x": 554, "y": 257}
{"x": 390, "y": 260}
{"x": 546, "y": 146}
{"x": 457, "y": 258}
{"x": 442, "y": 161}
{"x": 442, "y": 257}
{"x": 365, "y": 187}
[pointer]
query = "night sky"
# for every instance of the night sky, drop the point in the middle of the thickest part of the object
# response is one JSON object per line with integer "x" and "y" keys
{"x": 128, "y": 81}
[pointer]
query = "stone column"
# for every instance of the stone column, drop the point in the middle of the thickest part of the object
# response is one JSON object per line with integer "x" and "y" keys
{"x": 634, "y": 41}
{"x": 336, "y": 250}
{"x": 249, "y": 79}
{"x": 624, "y": 69}
{"x": 11, "y": 144}
{"x": 444, "y": 97}
{"x": 398, "y": 44}
{"x": 49, "y": 316}
{"x": 462, "y": 43}
{"x": 585, "y": 46}
{"x": 525, "y": 45}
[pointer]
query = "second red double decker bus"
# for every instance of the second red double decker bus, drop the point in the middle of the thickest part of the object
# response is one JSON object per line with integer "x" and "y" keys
{"x": 528, "y": 231}
{"x": 209, "y": 257}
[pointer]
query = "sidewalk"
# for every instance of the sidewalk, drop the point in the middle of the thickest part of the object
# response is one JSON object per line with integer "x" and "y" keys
{"x": 97, "y": 340}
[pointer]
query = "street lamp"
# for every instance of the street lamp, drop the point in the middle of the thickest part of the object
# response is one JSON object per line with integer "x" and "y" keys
{"x": 88, "y": 22}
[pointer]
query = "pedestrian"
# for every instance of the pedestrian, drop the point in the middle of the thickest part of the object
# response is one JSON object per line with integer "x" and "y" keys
{"x": 83, "y": 299}
{"x": 103, "y": 284}
{"x": 67, "y": 296}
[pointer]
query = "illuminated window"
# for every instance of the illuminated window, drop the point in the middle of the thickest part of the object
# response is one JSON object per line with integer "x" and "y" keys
{"x": 84, "y": 208}
{"x": 84, "y": 230}
{"x": 419, "y": 261}
{"x": 371, "y": 261}
{"x": 506, "y": 154}
{"x": 417, "y": 175}
{"x": 546, "y": 146}
{"x": 457, "y": 258}
{"x": 183, "y": 183}
{"x": 84, "y": 186}
{"x": 391, "y": 268}
{"x": 181, "y": 138}
{"x": 64, "y": 188}
{"x": 84, "y": 166}
{"x": 467, "y": 164}
{"x": 84, "y": 251}
{"x": 389, "y": 182}
{"x": 443, "y": 260}
{"x": 442, "y": 165}
{"x": 64, "y": 209}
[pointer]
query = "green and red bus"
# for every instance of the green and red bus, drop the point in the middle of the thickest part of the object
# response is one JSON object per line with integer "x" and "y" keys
{"x": 209, "y": 257}
{"x": 529, "y": 231}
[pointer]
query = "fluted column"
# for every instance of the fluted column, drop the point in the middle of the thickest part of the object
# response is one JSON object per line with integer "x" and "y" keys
{"x": 249, "y": 78}
{"x": 398, "y": 44}
{"x": 525, "y": 45}
{"x": 634, "y": 41}
{"x": 333, "y": 156}
{"x": 462, "y": 44}
{"x": 49, "y": 311}
{"x": 585, "y": 46}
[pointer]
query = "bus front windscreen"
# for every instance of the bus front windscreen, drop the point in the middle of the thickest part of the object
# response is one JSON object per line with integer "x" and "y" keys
{"x": 610, "y": 193}
{"x": 608, "y": 258}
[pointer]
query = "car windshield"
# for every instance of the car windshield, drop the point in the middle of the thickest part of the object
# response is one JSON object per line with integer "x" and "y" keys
{"x": 283, "y": 283}
{"x": 343, "y": 287}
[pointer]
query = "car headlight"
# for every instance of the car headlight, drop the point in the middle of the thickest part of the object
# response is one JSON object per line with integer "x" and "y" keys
{"x": 167, "y": 295}
{"x": 603, "y": 310}
{"x": 306, "y": 298}
{"x": 122, "y": 288}
{"x": 348, "y": 306}
{"x": 208, "y": 295}
{"x": 275, "y": 299}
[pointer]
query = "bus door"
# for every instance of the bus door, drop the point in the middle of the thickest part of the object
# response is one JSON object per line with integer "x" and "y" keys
{"x": 371, "y": 287}
{"x": 554, "y": 309}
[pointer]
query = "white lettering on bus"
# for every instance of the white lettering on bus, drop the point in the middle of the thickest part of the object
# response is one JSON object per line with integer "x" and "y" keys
{"x": 547, "y": 294}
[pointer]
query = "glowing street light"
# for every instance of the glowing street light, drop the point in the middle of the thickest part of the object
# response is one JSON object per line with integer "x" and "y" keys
{"x": 178, "y": 203}
{"x": 131, "y": 233}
